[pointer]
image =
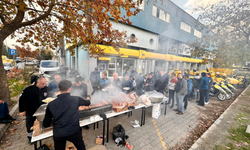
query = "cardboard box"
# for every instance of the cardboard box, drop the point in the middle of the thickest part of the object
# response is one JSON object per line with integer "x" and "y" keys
{"x": 120, "y": 110}
{"x": 98, "y": 141}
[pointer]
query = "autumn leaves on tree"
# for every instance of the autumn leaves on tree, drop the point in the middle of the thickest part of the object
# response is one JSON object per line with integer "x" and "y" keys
{"x": 87, "y": 22}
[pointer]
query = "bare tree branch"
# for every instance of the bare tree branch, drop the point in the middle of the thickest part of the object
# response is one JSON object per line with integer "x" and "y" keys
{"x": 2, "y": 19}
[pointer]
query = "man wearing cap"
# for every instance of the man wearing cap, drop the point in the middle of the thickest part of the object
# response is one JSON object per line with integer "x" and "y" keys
{"x": 63, "y": 113}
{"x": 79, "y": 88}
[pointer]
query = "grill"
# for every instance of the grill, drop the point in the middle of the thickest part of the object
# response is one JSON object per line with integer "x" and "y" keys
{"x": 95, "y": 111}
{"x": 40, "y": 113}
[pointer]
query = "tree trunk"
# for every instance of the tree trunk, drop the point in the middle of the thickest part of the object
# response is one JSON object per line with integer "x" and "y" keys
{"x": 4, "y": 86}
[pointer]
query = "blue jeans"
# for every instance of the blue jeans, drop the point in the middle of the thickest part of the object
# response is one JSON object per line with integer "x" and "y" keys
{"x": 179, "y": 101}
{"x": 4, "y": 110}
{"x": 196, "y": 94}
{"x": 207, "y": 96}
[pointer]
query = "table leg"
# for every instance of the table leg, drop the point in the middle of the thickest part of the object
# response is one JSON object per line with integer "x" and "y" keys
{"x": 165, "y": 112}
{"x": 94, "y": 126}
{"x": 35, "y": 146}
{"x": 40, "y": 142}
{"x": 107, "y": 130}
{"x": 97, "y": 125}
{"x": 142, "y": 112}
{"x": 131, "y": 113}
{"x": 144, "y": 116}
{"x": 103, "y": 133}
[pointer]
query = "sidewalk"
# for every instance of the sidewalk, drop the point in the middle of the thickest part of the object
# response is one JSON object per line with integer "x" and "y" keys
{"x": 228, "y": 131}
{"x": 157, "y": 134}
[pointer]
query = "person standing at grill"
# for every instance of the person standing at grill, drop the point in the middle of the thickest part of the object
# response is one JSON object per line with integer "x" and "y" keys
{"x": 139, "y": 84}
{"x": 150, "y": 83}
{"x": 116, "y": 81}
{"x": 104, "y": 81}
{"x": 79, "y": 88}
{"x": 171, "y": 87}
{"x": 95, "y": 80}
{"x": 161, "y": 82}
{"x": 133, "y": 74}
{"x": 127, "y": 84}
{"x": 53, "y": 86}
{"x": 63, "y": 113}
{"x": 181, "y": 91}
{"x": 203, "y": 87}
{"x": 30, "y": 100}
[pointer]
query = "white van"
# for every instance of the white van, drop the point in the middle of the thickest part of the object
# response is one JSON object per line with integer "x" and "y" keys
{"x": 49, "y": 67}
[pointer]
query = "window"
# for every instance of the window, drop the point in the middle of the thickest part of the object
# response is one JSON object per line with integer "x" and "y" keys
{"x": 184, "y": 49}
{"x": 154, "y": 11}
{"x": 185, "y": 27}
{"x": 161, "y": 14}
{"x": 197, "y": 33}
{"x": 173, "y": 48}
{"x": 167, "y": 18}
{"x": 120, "y": 65}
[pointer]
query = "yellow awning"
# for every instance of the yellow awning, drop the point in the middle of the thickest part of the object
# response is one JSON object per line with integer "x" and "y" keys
{"x": 104, "y": 58}
{"x": 142, "y": 54}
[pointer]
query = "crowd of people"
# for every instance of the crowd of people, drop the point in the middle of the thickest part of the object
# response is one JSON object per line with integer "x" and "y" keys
{"x": 71, "y": 97}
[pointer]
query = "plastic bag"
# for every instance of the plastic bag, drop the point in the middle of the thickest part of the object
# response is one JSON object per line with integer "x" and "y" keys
{"x": 119, "y": 135}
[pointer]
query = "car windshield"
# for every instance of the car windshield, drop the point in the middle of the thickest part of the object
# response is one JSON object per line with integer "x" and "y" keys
{"x": 49, "y": 64}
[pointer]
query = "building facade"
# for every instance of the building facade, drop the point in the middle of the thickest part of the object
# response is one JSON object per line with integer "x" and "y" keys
{"x": 163, "y": 30}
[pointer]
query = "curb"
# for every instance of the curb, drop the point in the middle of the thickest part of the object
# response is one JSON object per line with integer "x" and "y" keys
{"x": 195, "y": 146}
{"x": 4, "y": 127}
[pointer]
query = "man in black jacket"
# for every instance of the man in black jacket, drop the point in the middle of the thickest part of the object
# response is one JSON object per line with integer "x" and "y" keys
{"x": 161, "y": 82}
{"x": 64, "y": 114}
{"x": 116, "y": 81}
{"x": 139, "y": 84}
{"x": 79, "y": 88}
{"x": 150, "y": 83}
{"x": 30, "y": 100}
{"x": 95, "y": 80}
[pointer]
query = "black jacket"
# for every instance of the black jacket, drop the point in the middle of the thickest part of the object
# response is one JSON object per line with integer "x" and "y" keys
{"x": 80, "y": 91}
{"x": 151, "y": 84}
{"x": 65, "y": 114}
{"x": 133, "y": 74}
{"x": 161, "y": 82}
{"x": 127, "y": 83}
{"x": 117, "y": 83}
{"x": 139, "y": 82}
{"x": 31, "y": 99}
{"x": 95, "y": 78}
{"x": 196, "y": 83}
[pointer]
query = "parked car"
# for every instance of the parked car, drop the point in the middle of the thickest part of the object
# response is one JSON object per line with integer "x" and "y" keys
{"x": 49, "y": 67}
{"x": 8, "y": 66}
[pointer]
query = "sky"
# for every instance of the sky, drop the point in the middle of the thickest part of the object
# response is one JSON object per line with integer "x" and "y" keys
{"x": 189, "y": 5}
